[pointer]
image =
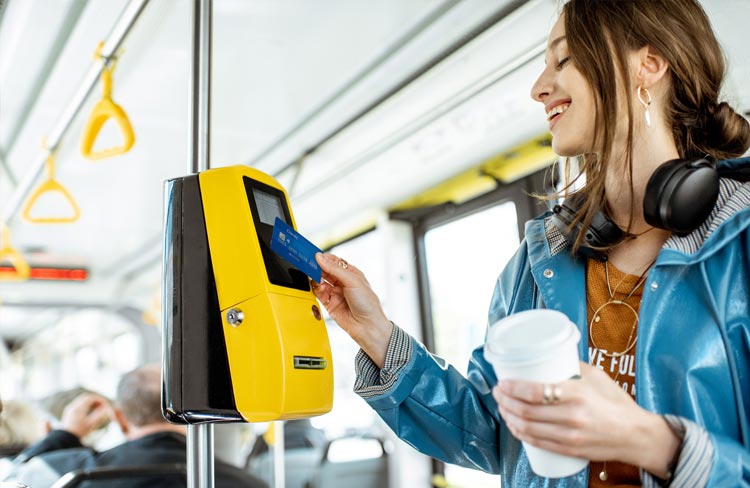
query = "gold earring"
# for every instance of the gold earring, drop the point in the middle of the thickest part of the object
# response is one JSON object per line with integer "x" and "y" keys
{"x": 646, "y": 103}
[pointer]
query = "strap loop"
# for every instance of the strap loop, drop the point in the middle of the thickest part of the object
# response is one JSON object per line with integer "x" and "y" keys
{"x": 104, "y": 110}
{"x": 48, "y": 186}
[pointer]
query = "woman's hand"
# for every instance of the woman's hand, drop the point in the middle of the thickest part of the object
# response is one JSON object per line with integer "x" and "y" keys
{"x": 350, "y": 301}
{"x": 593, "y": 419}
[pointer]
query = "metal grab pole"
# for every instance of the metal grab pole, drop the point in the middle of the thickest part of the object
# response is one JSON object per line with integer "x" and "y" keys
{"x": 199, "y": 150}
{"x": 200, "y": 468}
{"x": 115, "y": 39}
{"x": 200, "y": 445}
{"x": 279, "y": 450}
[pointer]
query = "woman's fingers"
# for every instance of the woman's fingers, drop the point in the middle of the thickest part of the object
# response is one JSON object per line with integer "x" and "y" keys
{"x": 334, "y": 278}
{"x": 539, "y": 393}
{"x": 536, "y": 411}
{"x": 585, "y": 417}
{"x": 338, "y": 271}
{"x": 322, "y": 291}
{"x": 352, "y": 303}
{"x": 538, "y": 431}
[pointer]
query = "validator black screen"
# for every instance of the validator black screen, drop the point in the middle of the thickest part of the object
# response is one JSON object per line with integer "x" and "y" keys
{"x": 267, "y": 203}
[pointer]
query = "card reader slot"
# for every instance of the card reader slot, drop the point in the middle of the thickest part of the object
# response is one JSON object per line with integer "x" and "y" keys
{"x": 310, "y": 362}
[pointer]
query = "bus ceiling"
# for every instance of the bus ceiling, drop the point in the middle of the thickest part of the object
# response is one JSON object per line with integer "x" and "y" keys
{"x": 358, "y": 108}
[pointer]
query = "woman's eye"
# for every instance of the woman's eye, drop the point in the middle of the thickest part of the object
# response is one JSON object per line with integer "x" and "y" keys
{"x": 561, "y": 64}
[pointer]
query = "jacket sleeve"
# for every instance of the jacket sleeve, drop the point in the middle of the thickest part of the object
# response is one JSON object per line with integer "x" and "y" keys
{"x": 57, "y": 439}
{"x": 441, "y": 413}
{"x": 30, "y": 468}
{"x": 731, "y": 463}
{"x": 432, "y": 406}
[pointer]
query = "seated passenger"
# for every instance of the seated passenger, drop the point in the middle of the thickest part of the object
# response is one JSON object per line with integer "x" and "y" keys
{"x": 20, "y": 425}
{"x": 150, "y": 440}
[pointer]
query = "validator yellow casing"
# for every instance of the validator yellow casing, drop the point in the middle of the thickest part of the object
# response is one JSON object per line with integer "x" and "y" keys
{"x": 262, "y": 326}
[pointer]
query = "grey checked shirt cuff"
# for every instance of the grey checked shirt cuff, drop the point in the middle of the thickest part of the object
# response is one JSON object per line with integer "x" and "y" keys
{"x": 694, "y": 461}
{"x": 372, "y": 381}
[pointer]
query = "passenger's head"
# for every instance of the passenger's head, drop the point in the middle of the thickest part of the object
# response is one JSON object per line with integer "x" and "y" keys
{"x": 139, "y": 396}
{"x": 138, "y": 404}
{"x": 600, "y": 52}
{"x": 20, "y": 424}
{"x": 667, "y": 47}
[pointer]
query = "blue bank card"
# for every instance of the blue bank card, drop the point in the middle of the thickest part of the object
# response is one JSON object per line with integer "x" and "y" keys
{"x": 298, "y": 251}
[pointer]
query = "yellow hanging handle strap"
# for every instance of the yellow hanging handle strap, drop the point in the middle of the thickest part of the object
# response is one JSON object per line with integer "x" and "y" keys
{"x": 50, "y": 185}
{"x": 22, "y": 271}
{"x": 104, "y": 110}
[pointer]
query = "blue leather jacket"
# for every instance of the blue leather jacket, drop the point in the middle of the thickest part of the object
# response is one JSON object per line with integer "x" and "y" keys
{"x": 693, "y": 350}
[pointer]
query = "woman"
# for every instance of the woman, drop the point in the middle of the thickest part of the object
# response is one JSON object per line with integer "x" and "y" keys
{"x": 627, "y": 86}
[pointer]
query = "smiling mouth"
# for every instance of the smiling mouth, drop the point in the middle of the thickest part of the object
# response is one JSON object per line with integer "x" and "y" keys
{"x": 557, "y": 111}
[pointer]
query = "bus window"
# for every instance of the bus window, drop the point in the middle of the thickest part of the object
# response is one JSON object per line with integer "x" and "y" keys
{"x": 464, "y": 258}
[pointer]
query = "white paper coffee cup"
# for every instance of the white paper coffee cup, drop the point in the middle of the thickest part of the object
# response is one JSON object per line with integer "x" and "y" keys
{"x": 541, "y": 346}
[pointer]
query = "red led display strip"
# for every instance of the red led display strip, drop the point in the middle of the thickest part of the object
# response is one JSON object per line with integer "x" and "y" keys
{"x": 50, "y": 274}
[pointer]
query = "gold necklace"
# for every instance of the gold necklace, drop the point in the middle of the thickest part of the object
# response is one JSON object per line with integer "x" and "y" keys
{"x": 632, "y": 339}
{"x": 596, "y": 317}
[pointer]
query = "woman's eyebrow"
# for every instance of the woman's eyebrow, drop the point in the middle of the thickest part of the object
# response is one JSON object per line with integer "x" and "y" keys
{"x": 555, "y": 42}
{"x": 552, "y": 44}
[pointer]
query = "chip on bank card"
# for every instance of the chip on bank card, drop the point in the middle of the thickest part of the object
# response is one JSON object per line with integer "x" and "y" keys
{"x": 298, "y": 251}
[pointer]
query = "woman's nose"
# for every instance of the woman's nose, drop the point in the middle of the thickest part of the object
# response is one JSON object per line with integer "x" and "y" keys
{"x": 541, "y": 87}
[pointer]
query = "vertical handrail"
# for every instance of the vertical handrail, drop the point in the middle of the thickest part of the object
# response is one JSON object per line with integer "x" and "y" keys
{"x": 279, "y": 452}
{"x": 200, "y": 446}
{"x": 199, "y": 150}
{"x": 200, "y": 455}
{"x": 116, "y": 37}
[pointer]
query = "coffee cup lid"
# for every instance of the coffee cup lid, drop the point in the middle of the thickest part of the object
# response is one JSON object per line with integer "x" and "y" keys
{"x": 529, "y": 336}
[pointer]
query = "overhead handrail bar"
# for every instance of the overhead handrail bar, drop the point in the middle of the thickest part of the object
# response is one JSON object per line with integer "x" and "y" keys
{"x": 395, "y": 47}
{"x": 115, "y": 39}
{"x": 48, "y": 186}
{"x": 34, "y": 93}
{"x": 106, "y": 109}
{"x": 503, "y": 13}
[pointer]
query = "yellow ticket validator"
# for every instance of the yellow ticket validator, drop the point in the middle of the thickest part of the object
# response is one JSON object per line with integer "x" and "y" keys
{"x": 243, "y": 334}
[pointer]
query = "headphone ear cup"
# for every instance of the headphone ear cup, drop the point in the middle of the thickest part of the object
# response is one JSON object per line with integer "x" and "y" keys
{"x": 681, "y": 194}
{"x": 655, "y": 189}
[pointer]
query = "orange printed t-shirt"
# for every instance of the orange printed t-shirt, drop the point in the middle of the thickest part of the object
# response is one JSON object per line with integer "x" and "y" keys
{"x": 613, "y": 333}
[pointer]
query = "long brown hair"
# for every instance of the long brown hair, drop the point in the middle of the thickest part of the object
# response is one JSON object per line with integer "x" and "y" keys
{"x": 601, "y": 33}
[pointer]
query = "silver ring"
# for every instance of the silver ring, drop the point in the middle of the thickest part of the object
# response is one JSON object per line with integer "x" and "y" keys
{"x": 343, "y": 263}
{"x": 548, "y": 394}
{"x": 556, "y": 394}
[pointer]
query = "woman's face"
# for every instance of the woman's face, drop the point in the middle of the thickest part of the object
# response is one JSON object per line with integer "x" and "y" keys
{"x": 568, "y": 100}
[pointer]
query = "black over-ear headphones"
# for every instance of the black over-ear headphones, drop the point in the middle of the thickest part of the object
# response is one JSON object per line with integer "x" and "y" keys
{"x": 679, "y": 197}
